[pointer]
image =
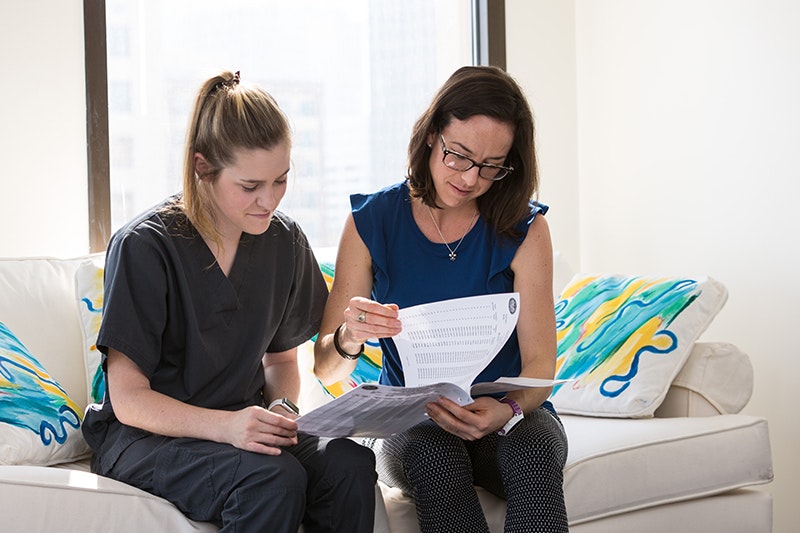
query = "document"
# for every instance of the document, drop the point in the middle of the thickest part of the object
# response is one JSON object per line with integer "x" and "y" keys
{"x": 454, "y": 340}
{"x": 443, "y": 347}
{"x": 372, "y": 410}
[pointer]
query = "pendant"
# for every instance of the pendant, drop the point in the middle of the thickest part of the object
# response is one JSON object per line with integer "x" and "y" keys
{"x": 452, "y": 256}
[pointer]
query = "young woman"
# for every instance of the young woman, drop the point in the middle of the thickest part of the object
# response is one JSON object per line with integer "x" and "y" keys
{"x": 462, "y": 224}
{"x": 207, "y": 297}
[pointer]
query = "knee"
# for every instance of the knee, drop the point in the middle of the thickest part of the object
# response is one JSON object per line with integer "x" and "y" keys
{"x": 349, "y": 456}
{"x": 540, "y": 440}
{"x": 269, "y": 472}
{"x": 427, "y": 446}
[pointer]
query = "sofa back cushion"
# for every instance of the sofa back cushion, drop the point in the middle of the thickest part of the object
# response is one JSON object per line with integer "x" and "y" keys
{"x": 38, "y": 305}
{"x": 717, "y": 379}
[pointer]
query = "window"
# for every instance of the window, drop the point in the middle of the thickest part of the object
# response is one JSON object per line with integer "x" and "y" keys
{"x": 352, "y": 76}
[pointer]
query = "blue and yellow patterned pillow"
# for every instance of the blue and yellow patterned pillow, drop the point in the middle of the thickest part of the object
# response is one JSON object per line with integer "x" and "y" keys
{"x": 39, "y": 423}
{"x": 623, "y": 339}
{"x": 89, "y": 290}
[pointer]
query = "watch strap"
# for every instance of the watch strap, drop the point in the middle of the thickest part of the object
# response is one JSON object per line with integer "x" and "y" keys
{"x": 515, "y": 419}
{"x": 286, "y": 403}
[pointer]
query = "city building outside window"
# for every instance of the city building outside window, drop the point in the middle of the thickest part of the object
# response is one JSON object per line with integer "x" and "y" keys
{"x": 352, "y": 76}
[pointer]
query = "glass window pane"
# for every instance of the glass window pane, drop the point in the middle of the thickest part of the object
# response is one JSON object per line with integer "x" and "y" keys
{"x": 352, "y": 75}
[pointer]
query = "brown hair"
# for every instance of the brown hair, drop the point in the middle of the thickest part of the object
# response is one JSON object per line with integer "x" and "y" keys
{"x": 489, "y": 91}
{"x": 227, "y": 115}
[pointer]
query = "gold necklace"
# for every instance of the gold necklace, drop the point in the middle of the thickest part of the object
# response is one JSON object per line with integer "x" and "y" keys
{"x": 452, "y": 251}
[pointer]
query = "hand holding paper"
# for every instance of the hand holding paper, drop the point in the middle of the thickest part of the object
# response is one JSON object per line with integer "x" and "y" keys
{"x": 443, "y": 347}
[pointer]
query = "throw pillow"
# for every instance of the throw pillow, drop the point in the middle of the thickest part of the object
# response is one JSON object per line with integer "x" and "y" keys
{"x": 368, "y": 367}
{"x": 39, "y": 423}
{"x": 89, "y": 291}
{"x": 623, "y": 339}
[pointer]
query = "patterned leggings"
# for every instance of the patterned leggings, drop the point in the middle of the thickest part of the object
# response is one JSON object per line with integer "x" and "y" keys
{"x": 440, "y": 471}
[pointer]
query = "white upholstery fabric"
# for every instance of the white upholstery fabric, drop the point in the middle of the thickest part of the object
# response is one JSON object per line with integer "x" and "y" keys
{"x": 717, "y": 379}
{"x": 617, "y": 465}
{"x": 739, "y": 511}
{"x": 84, "y": 501}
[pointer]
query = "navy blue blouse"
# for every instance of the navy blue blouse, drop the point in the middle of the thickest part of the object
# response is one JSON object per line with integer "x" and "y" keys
{"x": 410, "y": 270}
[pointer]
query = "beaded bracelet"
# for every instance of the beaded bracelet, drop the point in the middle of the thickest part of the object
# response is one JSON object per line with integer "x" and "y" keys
{"x": 339, "y": 348}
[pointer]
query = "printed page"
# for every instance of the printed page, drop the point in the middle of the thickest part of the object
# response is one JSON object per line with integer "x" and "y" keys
{"x": 453, "y": 340}
{"x": 372, "y": 410}
{"x": 506, "y": 384}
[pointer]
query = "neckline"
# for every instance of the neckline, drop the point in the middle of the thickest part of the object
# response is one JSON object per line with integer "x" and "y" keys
{"x": 442, "y": 249}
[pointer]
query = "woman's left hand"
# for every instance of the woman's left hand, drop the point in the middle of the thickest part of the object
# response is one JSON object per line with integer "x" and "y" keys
{"x": 471, "y": 422}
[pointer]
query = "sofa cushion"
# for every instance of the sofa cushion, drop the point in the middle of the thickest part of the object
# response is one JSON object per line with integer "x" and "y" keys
{"x": 716, "y": 379}
{"x": 618, "y": 465}
{"x": 85, "y": 502}
{"x": 39, "y": 422}
{"x": 78, "y": 500}
{"x": 89, "y": 295}
{"x": 623, "y": 339}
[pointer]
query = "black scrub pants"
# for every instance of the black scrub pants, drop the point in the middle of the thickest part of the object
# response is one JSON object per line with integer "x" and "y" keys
{"x": 328, "y": 485}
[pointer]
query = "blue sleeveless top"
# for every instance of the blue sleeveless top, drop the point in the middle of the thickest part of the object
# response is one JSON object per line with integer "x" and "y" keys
{"x": 408, "y": 269}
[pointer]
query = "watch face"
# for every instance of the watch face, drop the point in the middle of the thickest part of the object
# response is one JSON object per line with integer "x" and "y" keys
{"x": 289, "y": 404}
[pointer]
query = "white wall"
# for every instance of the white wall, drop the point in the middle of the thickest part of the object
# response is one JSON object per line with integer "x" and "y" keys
{"x": 688, "y": 129}
{"x": 43, "y": 186}
{"x": 540, "y": 55}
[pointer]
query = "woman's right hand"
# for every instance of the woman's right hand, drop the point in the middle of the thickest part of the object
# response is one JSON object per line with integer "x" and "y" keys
{"x": 367, "y": 319}
{"x": 257, "y": 430}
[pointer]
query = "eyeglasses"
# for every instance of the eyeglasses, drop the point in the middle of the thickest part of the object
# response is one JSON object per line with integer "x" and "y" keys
{"x": 462, "y": 163}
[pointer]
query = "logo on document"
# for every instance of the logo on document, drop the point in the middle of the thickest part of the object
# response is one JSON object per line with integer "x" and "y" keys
{"x": 512, "y": 305}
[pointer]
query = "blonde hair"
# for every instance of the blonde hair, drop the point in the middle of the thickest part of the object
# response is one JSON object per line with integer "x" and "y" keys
{"x": 227, "y": 115}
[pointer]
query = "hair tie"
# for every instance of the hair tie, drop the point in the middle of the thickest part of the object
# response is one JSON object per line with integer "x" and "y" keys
{"x": 227, "y": 84}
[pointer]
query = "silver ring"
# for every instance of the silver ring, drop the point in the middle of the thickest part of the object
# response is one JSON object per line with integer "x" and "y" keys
{"x": 362, "y": 316}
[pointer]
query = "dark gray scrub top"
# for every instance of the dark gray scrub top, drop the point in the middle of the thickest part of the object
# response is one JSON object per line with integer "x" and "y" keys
{"x": 198, "y": 335}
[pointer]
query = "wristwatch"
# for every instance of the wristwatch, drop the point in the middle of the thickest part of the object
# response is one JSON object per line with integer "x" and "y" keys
{"x": 514, "y": 420}
{"x": 286, "y": 403}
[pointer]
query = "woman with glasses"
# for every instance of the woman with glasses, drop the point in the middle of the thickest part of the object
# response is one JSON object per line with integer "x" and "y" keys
{"x": 463, "y": 223}
{"x": 207, "y": 297}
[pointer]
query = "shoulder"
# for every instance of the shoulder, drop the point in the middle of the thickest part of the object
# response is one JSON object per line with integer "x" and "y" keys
{"x": 150, "y": 235}
{"x": 381, "y": 198}
{"x": 536, "y": 247}
{"x": 535, "y": 209}
{"x": 150, "y": 225}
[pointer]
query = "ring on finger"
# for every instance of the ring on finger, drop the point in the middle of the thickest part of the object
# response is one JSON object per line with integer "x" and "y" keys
{"x": 362, "y": 316}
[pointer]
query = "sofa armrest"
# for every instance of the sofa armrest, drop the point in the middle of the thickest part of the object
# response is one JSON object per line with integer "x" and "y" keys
{"x": 716, "y": 379}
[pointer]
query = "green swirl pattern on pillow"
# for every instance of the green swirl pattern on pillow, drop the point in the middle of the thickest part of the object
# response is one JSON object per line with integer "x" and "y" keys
{"x": 622, "y": 339}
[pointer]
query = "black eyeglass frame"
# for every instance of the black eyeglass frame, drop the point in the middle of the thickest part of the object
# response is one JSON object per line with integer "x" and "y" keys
{"x": 505, "y": 171}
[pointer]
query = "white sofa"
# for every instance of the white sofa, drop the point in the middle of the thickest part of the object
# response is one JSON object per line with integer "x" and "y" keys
{"x": 693, "y": 467}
